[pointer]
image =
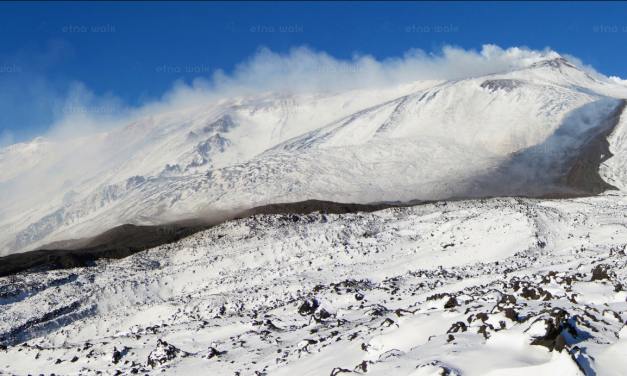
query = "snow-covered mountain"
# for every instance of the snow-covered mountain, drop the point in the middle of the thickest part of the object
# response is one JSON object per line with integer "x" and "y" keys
{"x": 486, "y": 286}
{"x": 495, "y": 135}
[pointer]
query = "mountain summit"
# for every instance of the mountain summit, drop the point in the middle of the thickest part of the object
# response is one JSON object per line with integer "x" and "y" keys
{"x": 516, "y": 133}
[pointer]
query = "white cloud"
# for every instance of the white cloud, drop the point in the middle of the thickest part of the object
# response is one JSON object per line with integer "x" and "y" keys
{"x": 593, "y": 72}
{"x": 301, "y": 70}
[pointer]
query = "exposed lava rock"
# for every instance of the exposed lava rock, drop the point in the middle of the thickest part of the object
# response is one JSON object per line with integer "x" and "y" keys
{"x": 511, "y": 314}
{"x": 323, "y": 314}
{"x": 502, "y": 84}
{"x": 116, "y": 356}
{"x": 308, "y": 307}
{"x": 211, "y": 353}
{"x": 162, "y": 354}
{"x": 457, "y": 327}
{"x": 556, "y": 324}
{"x": 600, "y": 273}
{"x": 451, "y": 303}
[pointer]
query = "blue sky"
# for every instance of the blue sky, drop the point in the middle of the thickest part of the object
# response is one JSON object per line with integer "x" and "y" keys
{"x": 107, "y": 57}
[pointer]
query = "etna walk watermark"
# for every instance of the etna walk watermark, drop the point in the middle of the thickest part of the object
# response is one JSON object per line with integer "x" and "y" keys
{"x": 510, "y": 148}
{"x": 174, "y": 150}
{"x": 87, "y": 29}
{"x": 10, "y": 69}
{"x": 13, "y": 149}
{"x": 433, "y": 29}
{"x": 181, "y": 230}
{"x": 609, "y": 29}
{"x": 92, "y": 110}
{"x": 280, "y": 29}
{"x": 195, "y": 69}
{"x": 340, "y": 70}
{"x": 8, "y": 231}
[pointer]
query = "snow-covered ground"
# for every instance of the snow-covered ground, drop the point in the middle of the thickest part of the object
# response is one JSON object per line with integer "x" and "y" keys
{"x": 460, "y": 288}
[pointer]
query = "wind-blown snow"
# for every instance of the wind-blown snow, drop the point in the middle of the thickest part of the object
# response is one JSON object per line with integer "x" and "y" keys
{"x": 424, "y": 140}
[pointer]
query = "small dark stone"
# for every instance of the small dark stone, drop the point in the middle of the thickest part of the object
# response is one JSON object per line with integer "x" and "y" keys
{"x": 600, "y": 273}
{"x": 508, "y": 299}
{"x": 511, "y": 314}
{"x": 116, "y": 356}
{"x": 308, "y": 307}
{"x": 483, "y": 330}
{"x": 211, "y": 353}
{"x": 529, "y": 294}
{"x": 323, "y": 314}
{"x": 338, "y": 370}
{"x": 560, "y": 343}
{"x": 482, "y": 316}
{"x": 363, "y": 366}
{"x": 457, "y": 327}
{"x": 451, "y": 303}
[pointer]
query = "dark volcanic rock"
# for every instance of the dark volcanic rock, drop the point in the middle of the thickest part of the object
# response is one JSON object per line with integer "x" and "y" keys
{"x": 126, "y": 240}
{"x": 600, "y": 273}
{"x": 451, "y": 303}
{"x": 556, "y": 324}
{"x": 505, "y": 84}
{"x": 211, "y": 353}
{"x": 308, "y": 307}
{"x": 162, "y": 354}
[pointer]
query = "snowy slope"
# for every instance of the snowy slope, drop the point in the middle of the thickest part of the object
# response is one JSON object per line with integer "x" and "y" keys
{"x": 419, "y": 141}
{"x": 480, "y": 287}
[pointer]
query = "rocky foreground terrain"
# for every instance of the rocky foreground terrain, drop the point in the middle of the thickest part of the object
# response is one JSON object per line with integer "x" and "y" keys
{"x": 504, "y": 286}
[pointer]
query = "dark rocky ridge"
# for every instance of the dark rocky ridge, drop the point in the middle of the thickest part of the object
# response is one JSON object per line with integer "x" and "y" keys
{"x": 584, "y": 173}
{"x": 126, "y": 240}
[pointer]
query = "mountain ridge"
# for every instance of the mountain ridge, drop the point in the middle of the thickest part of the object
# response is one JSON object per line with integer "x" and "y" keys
{"x": 361, "y": 146}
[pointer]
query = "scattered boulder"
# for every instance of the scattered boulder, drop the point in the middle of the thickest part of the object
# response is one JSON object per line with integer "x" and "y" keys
{"x": 600, "y": 273}
{"x": 528, "y": 293}
{"x": 452, "y": 302}
{"x": 308, "y": 307}
{"x": 511, "y": 314}
{"x": 483, "y": 329}
{"x": 457, "y": 327}
{"x": 211, "y": 353}
{"x": 508, "y": 299}
{"x": 363, "y": 366}
{"x": 162, "y": 354}
{"x": 555, "y": 324}
{"x": 323, "y": 314}
{"x": 116, "y": 356}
